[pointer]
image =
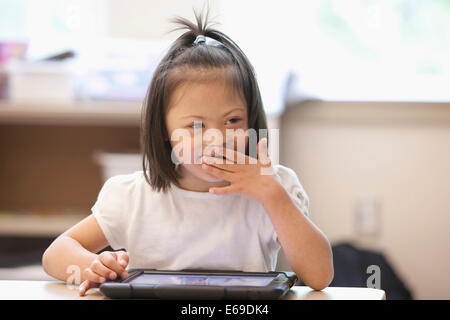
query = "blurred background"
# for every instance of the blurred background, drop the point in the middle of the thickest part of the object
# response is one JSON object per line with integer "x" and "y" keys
{"x": 359, "y": 89}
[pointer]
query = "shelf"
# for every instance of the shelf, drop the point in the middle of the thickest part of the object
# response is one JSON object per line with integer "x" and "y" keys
{"x": 78, "y": 113}
{"x": 37, "y": 224}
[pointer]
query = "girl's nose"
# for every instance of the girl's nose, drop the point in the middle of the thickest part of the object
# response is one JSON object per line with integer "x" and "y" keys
{"x": 214, "y": 136}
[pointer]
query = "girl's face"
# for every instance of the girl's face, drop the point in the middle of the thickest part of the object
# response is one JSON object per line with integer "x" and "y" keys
{"x": 206, "y": 105}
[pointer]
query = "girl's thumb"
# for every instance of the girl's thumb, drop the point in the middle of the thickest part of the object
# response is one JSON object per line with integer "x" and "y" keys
{"x": 263, "y": 155}
{"x": 263, "y": 146}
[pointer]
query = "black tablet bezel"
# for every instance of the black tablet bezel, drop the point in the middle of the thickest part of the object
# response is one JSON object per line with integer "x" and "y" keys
{"x": 281, "y": 283}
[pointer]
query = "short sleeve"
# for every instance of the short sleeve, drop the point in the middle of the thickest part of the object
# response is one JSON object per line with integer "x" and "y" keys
{"x": 293, "y": 187}
{"x": 109, "y": 212}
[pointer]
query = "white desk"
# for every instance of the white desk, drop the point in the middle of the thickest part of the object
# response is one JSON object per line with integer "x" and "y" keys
{"x": 56, "y": 290}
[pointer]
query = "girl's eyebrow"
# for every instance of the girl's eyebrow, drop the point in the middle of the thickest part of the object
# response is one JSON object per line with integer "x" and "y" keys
{"x": 235, "y": 109}
{"x": 192, "y": 116}
{"x": 227, "y": 113}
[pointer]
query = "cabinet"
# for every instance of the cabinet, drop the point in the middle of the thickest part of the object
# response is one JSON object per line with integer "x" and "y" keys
{"x": 49, "y": 179}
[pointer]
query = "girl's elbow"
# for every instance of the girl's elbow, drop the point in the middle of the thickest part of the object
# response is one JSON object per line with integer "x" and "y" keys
{"x": 325, "y": 277}
{"x": 320, "y": 281}
{"x": 48, "y": 259}
{"x": 45, "y": 260}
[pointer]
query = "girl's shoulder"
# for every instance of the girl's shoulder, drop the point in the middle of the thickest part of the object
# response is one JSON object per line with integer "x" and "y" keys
{"x": 123, "y": 179}
{"x": 125, "y": 183}
{"x": 291, "y": 183}
{"x": 286, "y": 175}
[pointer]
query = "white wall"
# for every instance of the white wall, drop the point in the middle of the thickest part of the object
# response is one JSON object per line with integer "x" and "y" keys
{"x": 398, "y": 152}
{"x": 149, "y": 19}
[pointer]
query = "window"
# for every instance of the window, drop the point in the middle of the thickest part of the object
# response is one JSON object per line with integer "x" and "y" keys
{"x": 352, "y": 49}
{"x": 50, "y": 26}
{"x": 397, "y": 50}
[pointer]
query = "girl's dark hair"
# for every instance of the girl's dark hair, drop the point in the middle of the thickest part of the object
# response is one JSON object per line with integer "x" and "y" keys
{"x": 184, "y": 56}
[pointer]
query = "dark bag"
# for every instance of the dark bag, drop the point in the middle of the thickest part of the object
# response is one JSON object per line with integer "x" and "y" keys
{"x": 351, "y": 270}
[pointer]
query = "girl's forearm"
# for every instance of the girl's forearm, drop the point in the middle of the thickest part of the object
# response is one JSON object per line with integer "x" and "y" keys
{"x": 65, "y": 259}
{"x": 307, "y": 249}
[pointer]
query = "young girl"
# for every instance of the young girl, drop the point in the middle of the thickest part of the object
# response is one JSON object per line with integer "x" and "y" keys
{"x": 205, "y": 214}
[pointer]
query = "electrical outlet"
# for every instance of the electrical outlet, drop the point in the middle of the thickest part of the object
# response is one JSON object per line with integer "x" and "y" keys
{"x": 367, "y": 214}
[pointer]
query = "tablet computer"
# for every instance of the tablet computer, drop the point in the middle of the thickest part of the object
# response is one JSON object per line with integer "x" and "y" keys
{"x": 199, "y": 284}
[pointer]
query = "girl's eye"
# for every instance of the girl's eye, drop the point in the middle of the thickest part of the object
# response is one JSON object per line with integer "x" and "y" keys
{"x": 197, "y": 125}
{"x": 233, "y": 120}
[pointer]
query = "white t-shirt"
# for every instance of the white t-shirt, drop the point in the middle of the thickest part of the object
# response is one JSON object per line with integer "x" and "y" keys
{"x": 183, "y": 229}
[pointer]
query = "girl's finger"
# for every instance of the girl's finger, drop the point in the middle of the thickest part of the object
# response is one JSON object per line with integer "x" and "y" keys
{"x": 231, "y": 168}
{"x": 218, "y": 163}
{"x": 123, "y": 258}
{"x": 231, "y": 156}
{"x": 109, "y": 259}
{"x": 93, "y": 277}
{"x": 225, "y": 175}
{"x": 263, "y": 154}
{"x": 220, "y": 154}
{"x": 86, "y": 285}
{"x": 83, "y": 287}
{"x": 98, "y": 268}
{"x": 223, "y": 190}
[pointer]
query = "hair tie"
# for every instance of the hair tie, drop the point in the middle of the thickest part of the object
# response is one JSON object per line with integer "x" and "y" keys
{"x": 207, "y": 40}
{"x": 200, "y": 38}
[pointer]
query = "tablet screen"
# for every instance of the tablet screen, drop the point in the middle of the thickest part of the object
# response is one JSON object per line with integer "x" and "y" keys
{"x": 203, "y": 280}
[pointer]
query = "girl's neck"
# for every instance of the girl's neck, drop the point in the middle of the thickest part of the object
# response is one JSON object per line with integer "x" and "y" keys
{"x": 190, "y": 182}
